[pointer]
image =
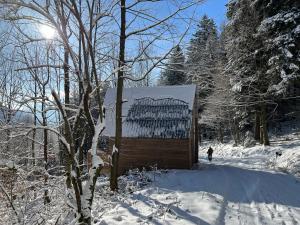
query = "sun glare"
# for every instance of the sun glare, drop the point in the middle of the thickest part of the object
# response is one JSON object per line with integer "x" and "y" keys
{"x": 47, "y": 31}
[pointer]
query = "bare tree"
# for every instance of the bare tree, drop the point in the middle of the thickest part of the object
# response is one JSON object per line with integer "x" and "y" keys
{"x": 82, "y": 46}
{"x": 86, "y": 74}
{"x": 158, "y": 28}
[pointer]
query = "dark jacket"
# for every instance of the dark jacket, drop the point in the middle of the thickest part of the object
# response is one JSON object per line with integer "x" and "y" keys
{"x": 210, "y": 151}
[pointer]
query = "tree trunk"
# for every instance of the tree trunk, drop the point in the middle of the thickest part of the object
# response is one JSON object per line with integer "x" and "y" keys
{"x": 8, "y": 133}
{"x": 66, "y": 156}
{"x": 257, "y": 126}
{"x": 236, "y": 132}
{"x": 261, "y": 134}
{"x": 264, "y": 129}
{"x": 44, "y": 121}
{"x": 33, "y": 146}
{"x": 45, "y": 148}
{"x": 118, "y": 132}
{"x": 34, "y": 123}
{"x": 221, "y": 133}
{"x": 66, "y": 60}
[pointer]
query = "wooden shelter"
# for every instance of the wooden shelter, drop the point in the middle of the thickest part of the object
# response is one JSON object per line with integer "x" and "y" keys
{"x": 159, "y": 127}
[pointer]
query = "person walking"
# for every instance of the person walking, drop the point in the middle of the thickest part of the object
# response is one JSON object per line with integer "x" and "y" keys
{"x": 209, "y": 153}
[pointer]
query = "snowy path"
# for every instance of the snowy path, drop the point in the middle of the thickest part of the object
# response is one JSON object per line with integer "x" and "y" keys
{"x": 220, "y": 194}
{"x": 237, "y": 190}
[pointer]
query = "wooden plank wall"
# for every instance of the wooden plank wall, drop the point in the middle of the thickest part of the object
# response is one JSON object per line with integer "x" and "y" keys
{"x": 192, "y": 140}
{"x": 165, "y": 153}
{"x": 195, "y": 128}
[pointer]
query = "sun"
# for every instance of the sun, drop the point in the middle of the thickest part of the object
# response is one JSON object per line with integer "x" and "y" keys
{"x": 47, "y": 31}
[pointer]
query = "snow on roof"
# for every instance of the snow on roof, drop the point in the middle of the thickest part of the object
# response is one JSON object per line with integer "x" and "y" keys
{"x": 157, "y": 112}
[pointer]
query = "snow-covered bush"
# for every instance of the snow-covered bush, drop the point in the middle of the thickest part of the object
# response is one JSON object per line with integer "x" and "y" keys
{"x": 249, "y": 140}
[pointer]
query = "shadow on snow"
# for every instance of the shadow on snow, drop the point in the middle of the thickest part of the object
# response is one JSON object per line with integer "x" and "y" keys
{"x": 235, "y": 184}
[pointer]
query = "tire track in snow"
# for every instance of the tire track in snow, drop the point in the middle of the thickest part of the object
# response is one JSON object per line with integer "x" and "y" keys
{"x": 266, "y": 213}
{"x": 221, "y": 218}
{"x": 290, "y": 214}
{"x": 279, "y": 215}
{"x": 243, "y": 219}
{"x": 274, "y": 199}
{"x": 252, "y": 206}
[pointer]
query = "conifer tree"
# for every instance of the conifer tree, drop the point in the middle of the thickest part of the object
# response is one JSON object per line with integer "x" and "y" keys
{"x": 174, "y": 73}
{"x": 279, "y": 37}
{"x": 262, "y": 46}
{"x": 240, "y": 45}
{"x": 203, "y": 54}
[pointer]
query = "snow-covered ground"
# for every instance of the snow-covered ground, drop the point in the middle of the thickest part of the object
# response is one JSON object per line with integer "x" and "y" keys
{"x": 241, "y": 186}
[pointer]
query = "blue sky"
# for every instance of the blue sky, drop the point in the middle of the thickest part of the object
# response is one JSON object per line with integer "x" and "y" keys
{"x": 215, "y": 9}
